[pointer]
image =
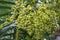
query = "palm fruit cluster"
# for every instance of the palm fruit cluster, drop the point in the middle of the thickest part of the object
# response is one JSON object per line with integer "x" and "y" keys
{"x": 39, "y": 22}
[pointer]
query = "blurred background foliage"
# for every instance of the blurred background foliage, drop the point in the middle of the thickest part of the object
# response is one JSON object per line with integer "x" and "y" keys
{"x": 5, "y": 9}
{"x": 29, "y": 19}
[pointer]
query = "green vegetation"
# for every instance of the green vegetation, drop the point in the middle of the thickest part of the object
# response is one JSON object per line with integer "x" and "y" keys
{"x": 31, "y": 19}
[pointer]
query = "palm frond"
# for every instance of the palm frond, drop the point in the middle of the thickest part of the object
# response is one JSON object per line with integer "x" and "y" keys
{"x": 5, "y": 7}
{"x": 6, "y": 2}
